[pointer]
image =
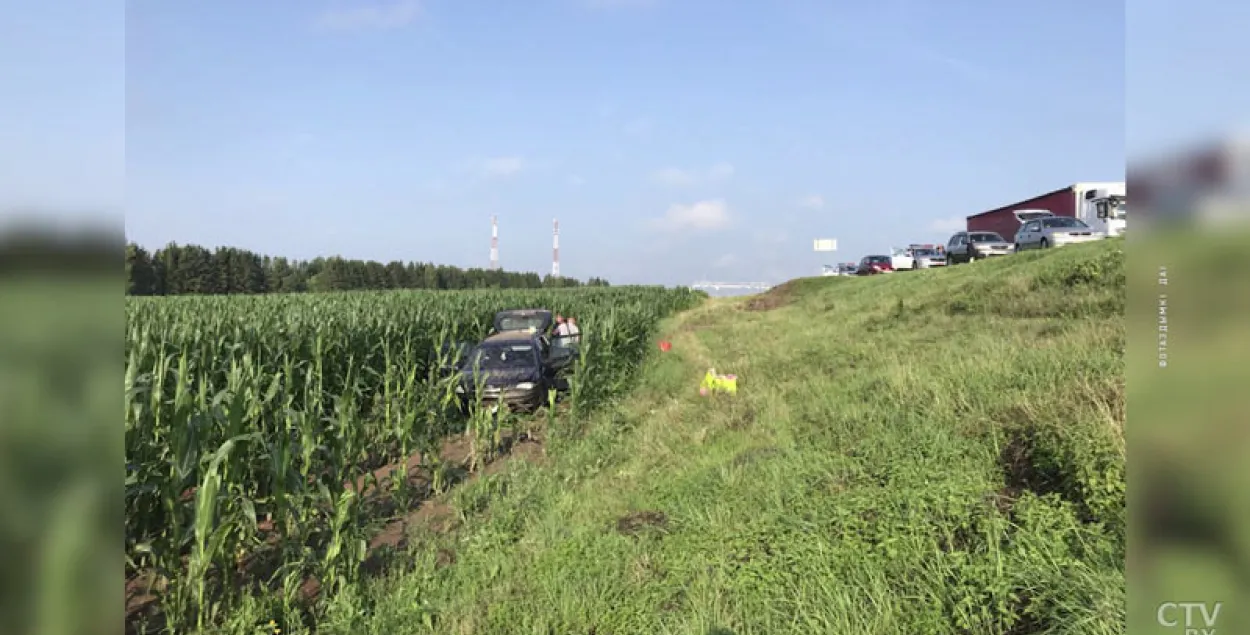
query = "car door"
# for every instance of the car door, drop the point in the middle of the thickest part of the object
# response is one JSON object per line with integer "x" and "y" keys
{"x": 899, "y": 258}
{"x": 1037, "y": 232}
{"x": 1047, "y": 230}
{"x": 557, "y": 361}
{"x": 1027, "y": 235}
{"x": 955, "y": 250}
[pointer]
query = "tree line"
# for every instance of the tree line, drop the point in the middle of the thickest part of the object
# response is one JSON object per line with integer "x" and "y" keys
{"x": 192, "y": 269}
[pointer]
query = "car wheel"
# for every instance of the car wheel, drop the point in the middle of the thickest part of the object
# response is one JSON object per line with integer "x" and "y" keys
{"x": 1044, "y": 244}
{"x": 1015, "y": 247}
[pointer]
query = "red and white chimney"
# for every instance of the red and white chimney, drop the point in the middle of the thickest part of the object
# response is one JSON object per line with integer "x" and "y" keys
{"x": 555, "y": 247}
{"x": 494, "y": 243}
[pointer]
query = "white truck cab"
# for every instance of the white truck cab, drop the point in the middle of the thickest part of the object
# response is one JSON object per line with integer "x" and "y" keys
{"x": 1105, "y": 211}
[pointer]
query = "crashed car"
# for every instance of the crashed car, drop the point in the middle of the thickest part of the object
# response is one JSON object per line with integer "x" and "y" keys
{"x": 516, "y": 368}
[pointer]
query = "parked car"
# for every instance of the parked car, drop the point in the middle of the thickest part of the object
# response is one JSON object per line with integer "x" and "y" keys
{"x": 927, "y": 258}
{"x": 1055, "y": 231}
{"x": 972, "y": 246}
{"x": 872, "y": 265}
{"x": 517, "y": 368}
{"x": 847, "y": 268}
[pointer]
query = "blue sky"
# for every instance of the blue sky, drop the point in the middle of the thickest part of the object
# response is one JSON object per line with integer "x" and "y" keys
{"x": 674, "y": 139}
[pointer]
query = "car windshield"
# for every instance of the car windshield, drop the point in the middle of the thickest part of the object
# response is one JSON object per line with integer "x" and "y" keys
{"x": 502, "y": 356}
{"x": 924, "y": 253}
{"x": 1065, "y": 222}
{"x": 985, "y": 238}
{"x": 520, "y": 322}
{"x": 878, "y": 259}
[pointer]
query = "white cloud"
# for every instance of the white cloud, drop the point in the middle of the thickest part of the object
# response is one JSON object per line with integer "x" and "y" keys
{"x": 814, "y": 201}
{"x": 948, "y": 225}
{"x": 701, "y": 216}
{"x": 503, "y": 166}
{"x": 678, "y": 177}
{"x": 726, "y": 260}
{"x": 377, "y": 16}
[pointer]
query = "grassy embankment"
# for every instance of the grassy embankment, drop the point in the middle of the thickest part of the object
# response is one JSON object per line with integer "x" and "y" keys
{"x": 929, "y": 452}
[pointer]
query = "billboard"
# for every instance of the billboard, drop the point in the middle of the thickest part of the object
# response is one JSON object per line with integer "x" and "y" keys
{"x": 825, "y": 244}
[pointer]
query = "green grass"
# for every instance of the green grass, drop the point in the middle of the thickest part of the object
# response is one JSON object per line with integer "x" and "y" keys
{"x": 931, "y": 452}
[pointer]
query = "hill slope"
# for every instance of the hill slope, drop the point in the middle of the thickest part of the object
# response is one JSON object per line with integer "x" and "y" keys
{"x": 929, "y": 452}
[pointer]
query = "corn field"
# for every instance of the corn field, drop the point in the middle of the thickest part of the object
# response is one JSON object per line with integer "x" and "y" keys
{"x": 255, "y": 424}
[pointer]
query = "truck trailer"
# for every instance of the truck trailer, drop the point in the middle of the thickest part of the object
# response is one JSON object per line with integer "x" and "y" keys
{"x": 1100, "y": 204}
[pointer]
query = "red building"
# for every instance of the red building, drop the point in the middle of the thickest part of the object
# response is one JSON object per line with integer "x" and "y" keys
{"x": 1003, "y": 220}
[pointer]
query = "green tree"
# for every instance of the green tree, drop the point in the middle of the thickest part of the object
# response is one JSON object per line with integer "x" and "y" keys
{"x": 140, "y": 272}
{"x": 190, "y": 269}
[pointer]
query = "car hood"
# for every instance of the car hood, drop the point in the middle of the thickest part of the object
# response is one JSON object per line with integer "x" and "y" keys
{"x": 501, "y": 377}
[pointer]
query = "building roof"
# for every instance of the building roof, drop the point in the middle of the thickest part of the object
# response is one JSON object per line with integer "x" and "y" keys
{"x": 1019, "y": 203}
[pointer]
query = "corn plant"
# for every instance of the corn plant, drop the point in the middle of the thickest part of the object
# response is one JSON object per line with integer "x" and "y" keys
{"x": 254, "y": 424}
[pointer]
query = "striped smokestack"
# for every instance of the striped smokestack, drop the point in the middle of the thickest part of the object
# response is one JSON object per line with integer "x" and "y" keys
{"x": 555, "y": 247}
{"x": 494, "y": 243}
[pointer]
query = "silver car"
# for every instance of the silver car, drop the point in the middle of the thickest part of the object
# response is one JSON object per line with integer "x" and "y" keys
{"x": 927, "y": 258}
{"x": 1055, "y": 231}
{"x": 976, "y": 245}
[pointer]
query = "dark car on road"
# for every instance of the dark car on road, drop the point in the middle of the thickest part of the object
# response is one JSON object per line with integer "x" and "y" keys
{"x": 872, "y": 265}
{"x": 972, "y": 246}
{"x": 514, "y": 367}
